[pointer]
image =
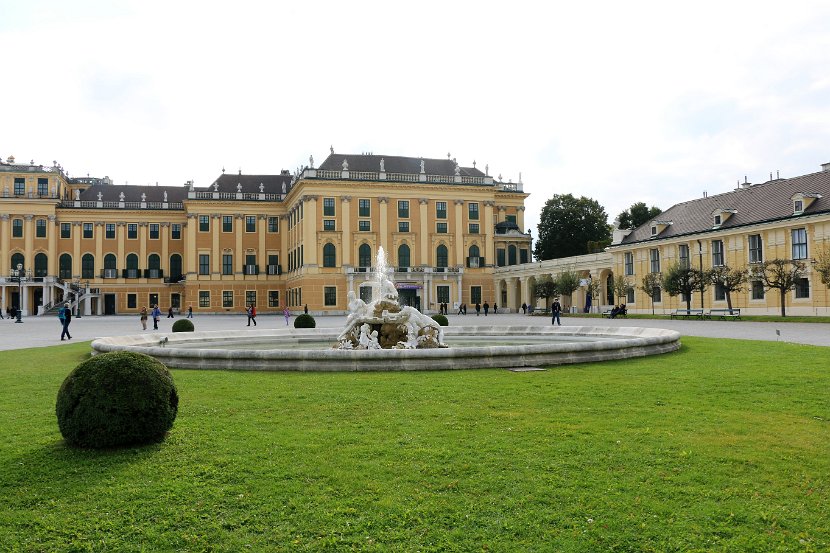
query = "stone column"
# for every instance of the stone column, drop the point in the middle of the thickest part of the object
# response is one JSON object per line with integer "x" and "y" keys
{"x": 488, "y": 231}
{"x": 29, "y": 241}
{"x": 520, "y": 218}
{"x": 189, "y": 229}
{"x": 99, "y": 246}
{"x": 261, "y": 255}
{"x": 76, "y": 249}
{"x": 215, "y": 253}
{"x": 5, "y": 245}
{"x": 165, "y": 249}
{"x": 52, "y": 235}
{"x": 423, "y": 255}
{"x": 383, "y": 230}
{"x": 120, "y": 234}
{"x": 309, "y": 236}
{"x": 238, "y": 251}
{"x": 142, "y": 246}
{"x": 346, "y": 218}
{"x": 459, "y": 233}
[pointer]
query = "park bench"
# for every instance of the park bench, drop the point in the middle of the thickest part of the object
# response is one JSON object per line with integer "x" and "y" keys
{"x": 607, "y": 314}
{"x": 723, "y": 314}
{"x": 686, "y": 313}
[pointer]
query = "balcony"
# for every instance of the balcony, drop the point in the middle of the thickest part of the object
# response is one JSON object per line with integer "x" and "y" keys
{"x": 153, "y": 273}
{"x": 109, "y": 273}
{"x": 274, "y": 269}
{"x": 250, "y": 269}
{"x": 131, "y": 273}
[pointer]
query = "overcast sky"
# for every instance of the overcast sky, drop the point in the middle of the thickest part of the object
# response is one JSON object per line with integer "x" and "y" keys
{"x": 618, "y": 101}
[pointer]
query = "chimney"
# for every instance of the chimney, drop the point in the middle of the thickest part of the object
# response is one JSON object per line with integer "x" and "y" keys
{"x": 825, "y": 166}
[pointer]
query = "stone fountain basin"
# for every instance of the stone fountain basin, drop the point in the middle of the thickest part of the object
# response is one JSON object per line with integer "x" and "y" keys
{"x": 543, "y": 346}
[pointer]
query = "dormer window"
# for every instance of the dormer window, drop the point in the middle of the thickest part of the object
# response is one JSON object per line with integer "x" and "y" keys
{"x": 801, "y": 201}
{"x": 719, "y": 216}
{"x": 717, "y": 220}
{"x": 658, "y": 227}
{"x": 654, "y": 231}
{"x": 798, "y": 206}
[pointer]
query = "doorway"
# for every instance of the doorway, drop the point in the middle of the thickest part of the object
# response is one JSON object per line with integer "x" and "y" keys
{"x": 109, "y": 304}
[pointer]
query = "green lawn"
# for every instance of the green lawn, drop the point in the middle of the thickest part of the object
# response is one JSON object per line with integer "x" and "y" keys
{"x": 722, "y": 446}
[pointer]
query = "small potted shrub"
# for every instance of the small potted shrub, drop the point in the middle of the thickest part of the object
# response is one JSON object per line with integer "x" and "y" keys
{"x": 305, "y": 321}
{"x": 117, "y": 399}
{"x": 183, "y": 325}
{"x": 441, "y": 320}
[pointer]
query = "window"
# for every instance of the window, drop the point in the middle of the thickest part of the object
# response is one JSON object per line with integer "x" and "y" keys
{"x": 40, "y": 228}
{"x": 720, "y": 292}
{"x": 132, "y": 231}
{"x": 629, "y": 263}
{"x": 227, "y": 298}
{"x": 654, "y": 256}
{"x": 330, "y": 295}
{"x": 441, "y": 256}
{"x": 475, "y": 294}
{"x": 273, "y": 298}
{"x": 441, "y": 228}
{"x": 511, "y": 255}
{"x": 227, "y": 223}
{"x": 154, "y": 299}
{"x": 657, "y": 295}
{"x": 204, "y": 223}
{"x": 654, "y": 231}
{"x": 440, "y": 210}
{"x": 273, "y": 264}
{"x": 65, "y": 266}
{"x": 717, "y": 253}
{"x": 403, "y": 256}
{"x": 273, "y": 224}
{"x": 524, "y": 255}
{"x": 328, "y": 224}
{"x": 403, "y": 226}
{"x": 17, "y": 228}
{"x": 41, "y": 265}
{"x": 510, "y": 218}
{"x": 629, "y": 295}
{"x": 757, "y": 290}
{"x": 131, "y": 301}
{"x": 364, "y": 226}
{"x": 802, "y": 288}
{"x": 204, "y": 298}
{"x": 175, "y": 267}
{"x": 110, "y": 266}
{"x": 755, "y": 249}
{"x": 474, "y": 258}
{"x": 364, "y": 256}
{"x": 66, "y": 230}
{"x": 403, "y": 209}
{"x": 87, "y": 230}
{"x": 799, "y": 243}
{"x": 683, "y": 254}
{"x": 329, "y": 255}
{"x": 88, "y": 266}
{"x": 443, "y": 294}
{"x": 474, "y": 228}
{"x": 363, "y": 208}
{"x": 717, "y": 220}
{"x": 472, "y": 211}
{"x": 154, "y": 231}
{"x": 109, "y": 231}
{"x": 204, "y": 264}
{"x": 227, "y": 264}
{"x": 153, "y": 266}
{"x": 19, "y": 186}
{"x": 250, "y": 223}
{"x": 250, "y": 297}
{"x": 501, "y": 256}
{"x": 328, "y": 207}
{"x": 42, "y": 187}
{"x": 176, "y": 231}
{"x": 798, "y": 206}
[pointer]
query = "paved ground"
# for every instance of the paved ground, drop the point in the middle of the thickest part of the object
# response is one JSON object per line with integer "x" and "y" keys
{"x": 45, "y": 331}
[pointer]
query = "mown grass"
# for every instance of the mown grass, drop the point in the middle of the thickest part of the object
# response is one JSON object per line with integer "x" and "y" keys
{"x": 722, "y": 446}
{"x": 744, "y": 318}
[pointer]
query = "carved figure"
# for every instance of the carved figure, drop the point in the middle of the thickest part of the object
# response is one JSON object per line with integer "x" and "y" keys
{"x": 345, "y": 165}
{"x": 165, "y": 196}
{"x": 143, "y": 197}
{"x": 382, "y": 165}
{"x": 77, "y": 194}
{"x": 100, "y": 195}
{"x": 121, "y": 197}
{"x": 422, "y": 166}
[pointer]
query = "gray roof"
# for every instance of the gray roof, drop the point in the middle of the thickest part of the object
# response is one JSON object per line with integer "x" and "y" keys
{"x": 397, "y": 164}
{"x": 769, "y": 201}
{"x": 272, "y": 184}
{"x": 132, "y": 193}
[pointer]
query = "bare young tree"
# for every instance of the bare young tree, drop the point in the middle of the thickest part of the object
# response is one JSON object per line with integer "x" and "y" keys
{"x": 731, "y": 280}
{"x": 782, "y": 275}
{"x": 651, "y": 287}
{"x": 593, "y": 288}
{"x": 822, "y": 265}
{"x": 621, "y": 287}
{"x": 545, "y": 289}
{"x": 567, "y": 282}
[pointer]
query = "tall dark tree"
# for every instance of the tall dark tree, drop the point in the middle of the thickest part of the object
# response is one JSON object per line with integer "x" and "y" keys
{"x": 679, "y": 279}
{"x": 637, "y": 214}
{"x": 568, "y": 224}
{"x": 782, "y": 275}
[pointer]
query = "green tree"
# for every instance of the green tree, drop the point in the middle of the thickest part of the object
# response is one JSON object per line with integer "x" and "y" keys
{"x": 593, "y": 287}
{"x": 567, "y": 283}
{"x": 545, "y": 289}
{"x": 679, "y": 279}
{"x": 781, "y": 275}
{"x": 566, "y": 226}
{"x": 637, "y": 214}
{"x": 621, "y": 287}
{"x": 822, "y": 265}
{"x": 651, "y": 287}
{"x": 731, "y": 280}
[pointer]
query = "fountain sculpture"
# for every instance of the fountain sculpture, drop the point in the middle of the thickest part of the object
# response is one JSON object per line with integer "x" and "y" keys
{"x": 384, "y": 323}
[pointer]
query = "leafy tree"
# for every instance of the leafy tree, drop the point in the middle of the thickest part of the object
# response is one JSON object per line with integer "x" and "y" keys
{"x": 678, "y": 279}
{"x": 732, "y": 280}
{"x": 651, "y": 286}
{"x": 781, "y": 275}
{"x": 621, "y": 286}
{"x": 566, "y": 226}
{"x": 545, "y": 289}
{"x": 593, "y": 287}
{"x": 637, "y": 214}
{"x": 822, "y": 265}
{"x": 567, "y": 282}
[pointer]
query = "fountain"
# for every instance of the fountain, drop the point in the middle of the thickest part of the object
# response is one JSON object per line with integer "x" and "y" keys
{"x": 384, "y": 323}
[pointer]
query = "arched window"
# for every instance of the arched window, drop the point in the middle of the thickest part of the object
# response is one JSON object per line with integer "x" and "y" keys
{"x": 110, "y": 261}
{"x": 474, "y": 258}
{"x": 441, "y": 256}
{"x": 65, "y": 266}
{"x": 132, "y": 261}
{"x": 403, "y": 256}
{"x": 41, "y": 265}
{"x": 154, "y": 262}
{"x": 609, "y": 289}
{"x": 18, "y": 259}
{"x": 364, "y": 256}
{"x": 88, "y": 266}
{"x": 511, "y": 255}
{"x": 175, "y": 266}
{"x": 329, "y": 255}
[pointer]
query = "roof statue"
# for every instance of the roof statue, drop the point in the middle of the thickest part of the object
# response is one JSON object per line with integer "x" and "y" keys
{"x": 143, "y": 197}
{"x": 77, "y": 194}
{"x": 283, "y": 187}
{"x": 239, "y": 187}
{"x": 382, "y": 165}
{"x": 100, "y": 195}
{"x": 457, "y": 169}
{"x": 520, "y": 177}
{"x": 487, "y": 169}
{"x": 311, "y": 162}
{"x": 332, "y": 149}
{"x": 261, "y": 188}
{"x": 165, "y": 195}
{"x": 216, "y": 187}
{"x": 345, "y": 165}
{"x": 422, "y": 166}
{"x": 474, "y": 164}
{"x": 121, "y": 197}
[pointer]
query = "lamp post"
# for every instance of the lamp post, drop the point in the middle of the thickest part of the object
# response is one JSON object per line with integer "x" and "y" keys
{"x": 20, "y": 276}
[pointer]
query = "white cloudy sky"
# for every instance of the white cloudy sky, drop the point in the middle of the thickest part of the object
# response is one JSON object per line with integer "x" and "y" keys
{"x": 618, "y": 101}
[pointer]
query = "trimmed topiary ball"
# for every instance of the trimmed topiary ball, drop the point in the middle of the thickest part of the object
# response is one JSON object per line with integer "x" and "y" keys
{"x": 117, "y": 399}
{"x": 441, "y": 320}
{"x": 305, "y": 321}
{"x": 183, "y": 325}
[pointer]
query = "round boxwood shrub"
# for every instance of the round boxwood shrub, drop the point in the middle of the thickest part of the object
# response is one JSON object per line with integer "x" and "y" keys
{"x": 305, "y": 321}
{"x": 441, "y": 320}
{"x": 183, "y": 325}
{"x": 117, "y": 399}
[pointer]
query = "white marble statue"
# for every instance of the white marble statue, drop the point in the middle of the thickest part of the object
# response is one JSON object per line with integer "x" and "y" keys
{"x": 77, "y": 194}
{"x": 422, "y": 166}
{"x": 100, "y": 195}
{"x": 345, "y": 165}
{"x": 165, "y": 196}
{"x": 382, "y": 166}
{"x": 143, "y": 197}
{"x": 121, "y": 197}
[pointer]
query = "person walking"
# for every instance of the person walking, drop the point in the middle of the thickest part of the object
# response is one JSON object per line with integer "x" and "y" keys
{"x": 524, "y": 308}
{"x": 156, "y": 316}
{"x": 478, "y": 309}
{"x": 486, "y": 308}
{"x": 251, "y": 314}
{"x": 189, "y": 311}
{"x": 556, "y": 309}
{"x": 65, "y": 316}
{"x": 495, "y": 308}
{"x": 143, "y": 317}
{"x": 305, "y": 309}
{"x": 170, "y": 313}
{"x": 287, "y": 314}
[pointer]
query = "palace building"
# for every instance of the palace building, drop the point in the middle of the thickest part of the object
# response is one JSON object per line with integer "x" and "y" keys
{"x": 292, "y": 239}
